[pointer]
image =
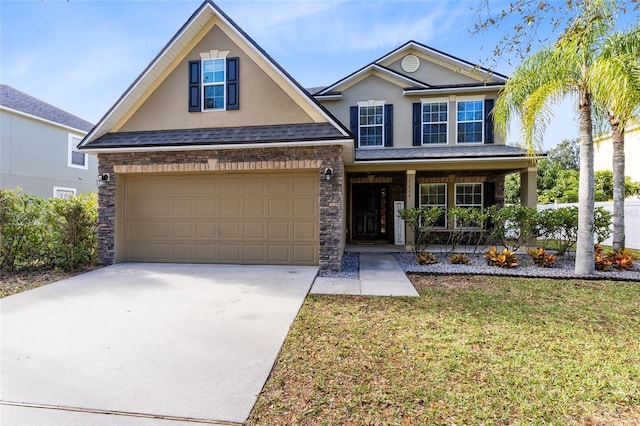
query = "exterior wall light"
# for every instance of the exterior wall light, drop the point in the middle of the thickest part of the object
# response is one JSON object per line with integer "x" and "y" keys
{"x": 328, "y": 173}
{"x": 102, "y": 180}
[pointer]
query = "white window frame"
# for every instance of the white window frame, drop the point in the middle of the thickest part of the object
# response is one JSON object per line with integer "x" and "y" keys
{"x": 422, "y": 122}
{"x": 443, "y": 206}
{"x": 58, "y": 189}
{"x": 464, "y": 205}
{"x": 222, "y": 83}
{"x": 74, "y": 140}
{"x": 481, "y": 121}
{"x": 369, "y": 104}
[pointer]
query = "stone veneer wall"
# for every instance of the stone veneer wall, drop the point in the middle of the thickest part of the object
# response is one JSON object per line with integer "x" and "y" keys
{"x": 254, "y": 159}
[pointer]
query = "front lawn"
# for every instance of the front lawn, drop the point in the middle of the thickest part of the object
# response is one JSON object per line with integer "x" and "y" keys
{"x": 471, "y": 350}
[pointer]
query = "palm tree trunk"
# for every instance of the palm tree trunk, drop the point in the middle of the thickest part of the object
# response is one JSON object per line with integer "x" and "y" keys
{"x": 618, "y": 182}
{"x": 585, "y": 264}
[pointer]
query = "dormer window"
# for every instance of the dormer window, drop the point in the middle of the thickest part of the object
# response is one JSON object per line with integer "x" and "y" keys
{"x": 214, "y": 84}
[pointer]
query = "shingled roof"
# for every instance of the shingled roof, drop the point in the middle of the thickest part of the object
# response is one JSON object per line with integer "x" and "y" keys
{"x": 219, "y": 136}
{"x": 20, "y": 101}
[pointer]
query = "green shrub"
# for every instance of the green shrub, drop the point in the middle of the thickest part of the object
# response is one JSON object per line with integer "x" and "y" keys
{"x": 41, "y": 233}
{"x": 421, "y": 221}
{"x": 514, "y": 225}
{"x": 73, "y": 225}
{"x": 558, "y": 228}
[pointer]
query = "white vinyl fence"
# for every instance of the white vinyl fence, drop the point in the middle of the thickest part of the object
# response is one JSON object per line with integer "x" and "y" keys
{"x": 631, "y": 220}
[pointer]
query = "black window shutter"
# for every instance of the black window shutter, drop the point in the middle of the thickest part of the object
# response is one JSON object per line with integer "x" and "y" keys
{"x": 489, "y": 194}
{"x": 488, "y": 120}
{"x": 194, "y": 86}
{"x": 388, "y": 125}
{"x": 354, "y": 123}
{"x": 417, "y": 124}
{"x": 233, "y": 83}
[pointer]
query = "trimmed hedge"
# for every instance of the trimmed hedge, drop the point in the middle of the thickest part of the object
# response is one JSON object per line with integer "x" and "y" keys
{"x": 39, "y": 233}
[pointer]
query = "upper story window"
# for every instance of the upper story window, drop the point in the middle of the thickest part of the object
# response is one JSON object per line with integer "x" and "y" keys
{"x": 435, "y": 117}
{"x": 76, "y": 158}
{"x": 214, "y": 84}
{"x": 470, "y": 121}
{"x": 372, "y": 124}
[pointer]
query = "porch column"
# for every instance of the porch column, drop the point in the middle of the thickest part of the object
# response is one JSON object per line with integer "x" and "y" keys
{"x": 529, "y": 193}
{"x": 410, "y": 202}
{"x": 529, "y": 187}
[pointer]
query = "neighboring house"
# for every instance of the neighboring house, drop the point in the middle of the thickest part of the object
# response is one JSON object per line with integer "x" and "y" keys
{"x": 603, "y": 154}
{"x": 216, "y": 155}
{"x": 38, "y": 148}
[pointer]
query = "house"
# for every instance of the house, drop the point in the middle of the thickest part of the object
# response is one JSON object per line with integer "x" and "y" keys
{"x": 603, "y": 153}
{"x": 215, "y": 154}
{"x": 38, "y": 148}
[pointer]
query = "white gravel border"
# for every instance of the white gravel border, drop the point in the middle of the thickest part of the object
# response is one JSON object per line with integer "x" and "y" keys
{"x": 526, "y": 268}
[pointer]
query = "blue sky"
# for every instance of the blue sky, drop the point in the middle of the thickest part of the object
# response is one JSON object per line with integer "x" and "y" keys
{"x": 81, "y": 55}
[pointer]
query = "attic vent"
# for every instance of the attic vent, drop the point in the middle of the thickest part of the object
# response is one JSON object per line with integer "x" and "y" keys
{"x": 410, "y": 63}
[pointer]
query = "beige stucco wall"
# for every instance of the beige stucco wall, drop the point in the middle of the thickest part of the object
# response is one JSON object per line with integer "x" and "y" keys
{"x": 436, "y": 74}
{"x": 262, "y": 101}
{"x": 376, "y": 88}
{"x": 603, "y": 154}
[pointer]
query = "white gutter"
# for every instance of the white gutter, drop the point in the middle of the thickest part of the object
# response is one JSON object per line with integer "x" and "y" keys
{"x": 334, "y": 97}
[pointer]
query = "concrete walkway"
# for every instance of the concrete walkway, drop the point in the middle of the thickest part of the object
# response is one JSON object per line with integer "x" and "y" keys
{"x": 380, "y": 275}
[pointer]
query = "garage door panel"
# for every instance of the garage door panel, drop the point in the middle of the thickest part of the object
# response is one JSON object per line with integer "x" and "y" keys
{"x": 254, "y": 230}
{"x": 207, "y": 253}
{"x": 230, "y": 253}
{"x": 304, "y": 254}
{"x": 253, "y": 253}
{"x": 253, "y": 218}
{"x": 207, "y": 208}
{"x": 279, "y": 207}
{"x": 305, "y": 185}
{"x": 182, "y": 252}
{"x": 206, "y": 230}
{"x": 230, "y": 207}
{"x": 229, "y": 230}
{"x": 304, "y": 230}
{"x": 304, "y": 207}
{"x": 279, "y": 230}
{"x": 254, "y": 207}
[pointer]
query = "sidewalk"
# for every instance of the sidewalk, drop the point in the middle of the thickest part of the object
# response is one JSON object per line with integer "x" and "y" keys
{"x": 380, "y": 275}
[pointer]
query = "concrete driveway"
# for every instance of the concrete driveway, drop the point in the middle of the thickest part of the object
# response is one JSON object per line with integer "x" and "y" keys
{"x": 146, "y": 344}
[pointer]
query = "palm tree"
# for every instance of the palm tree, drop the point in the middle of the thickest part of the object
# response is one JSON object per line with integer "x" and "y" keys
{"x": 619, "y": 96}
{"x": 549, "y": 76}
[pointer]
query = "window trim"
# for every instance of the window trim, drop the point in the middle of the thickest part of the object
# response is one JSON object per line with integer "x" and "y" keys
{"x": 455, "y": 202}
{"x": 444, "y": 206}
{"x": 223, "y": 83}
{"x": 422, "y": 122}
{"x": 62, "y": 188}
{"x": 367, "y": 104}
{"x": 481, "y": 120}
{"x": 73, "y": 142}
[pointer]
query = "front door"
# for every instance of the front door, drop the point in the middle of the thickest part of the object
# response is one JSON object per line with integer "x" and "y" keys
{"x": 369, "y": 211}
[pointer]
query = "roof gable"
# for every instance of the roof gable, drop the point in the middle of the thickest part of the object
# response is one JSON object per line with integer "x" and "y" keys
{"x": 173, "y": 55}
{"x": 15, "y": 100}
{"x": 436, "y": 69}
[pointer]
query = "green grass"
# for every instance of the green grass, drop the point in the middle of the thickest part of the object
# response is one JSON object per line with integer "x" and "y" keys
{"x": 470, "y": 350}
